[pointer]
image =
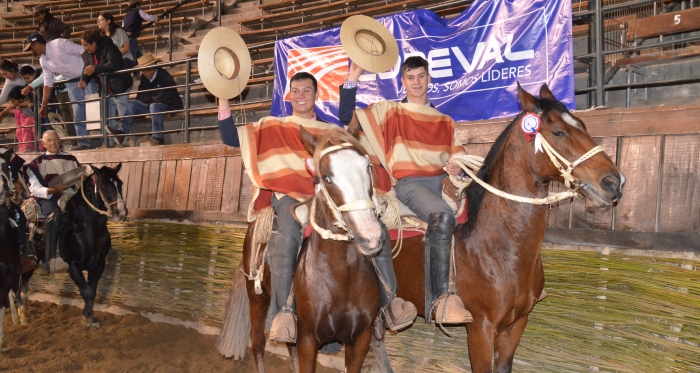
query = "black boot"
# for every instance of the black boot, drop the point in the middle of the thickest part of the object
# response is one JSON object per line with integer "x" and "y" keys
{"x": 51, "y": 239}
{"x": 448, "y": 309}
{"x": 282, "y": 253}
{"x": 397, "y": 313}
{"x": 17, "y": 215}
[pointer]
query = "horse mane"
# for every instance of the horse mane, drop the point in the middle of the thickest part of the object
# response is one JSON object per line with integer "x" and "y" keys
{"x": 475, "y": 192}
{"x": 335, "y": 136}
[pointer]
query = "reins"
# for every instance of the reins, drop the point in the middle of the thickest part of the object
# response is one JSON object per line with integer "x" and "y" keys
{"x": 336, "y": 210}
{"x": 469, "y": 162}
{"x": 98, "y": 191}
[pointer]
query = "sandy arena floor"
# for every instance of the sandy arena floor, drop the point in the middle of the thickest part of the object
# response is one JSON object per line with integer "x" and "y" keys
{"x": 56, "y": 341}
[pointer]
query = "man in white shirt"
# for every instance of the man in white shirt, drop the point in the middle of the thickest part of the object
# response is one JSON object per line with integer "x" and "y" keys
{"x": 39, "y": 173}
{"x": 61, "y": 56}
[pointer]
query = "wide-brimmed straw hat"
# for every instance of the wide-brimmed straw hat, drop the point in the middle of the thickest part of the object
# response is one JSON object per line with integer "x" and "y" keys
{"x": 224, "y": 63}
{"x": 69, "y": 178}
{"x": 39, "y": 8}
{"x": 369, "y": 44}
{"x": 147, "y": 59}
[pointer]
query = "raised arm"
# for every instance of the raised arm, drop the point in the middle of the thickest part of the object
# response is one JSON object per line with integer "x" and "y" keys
{"x": 348, "y": 92}
{"x": 229, "y": 134}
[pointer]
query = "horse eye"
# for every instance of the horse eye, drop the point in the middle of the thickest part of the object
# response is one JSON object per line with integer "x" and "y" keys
{"x": 327, "y": 180}
{"x": 558, "y": 133}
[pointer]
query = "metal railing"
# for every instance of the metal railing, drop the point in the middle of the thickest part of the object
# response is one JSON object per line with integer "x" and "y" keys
{"x": 600, "y": 80}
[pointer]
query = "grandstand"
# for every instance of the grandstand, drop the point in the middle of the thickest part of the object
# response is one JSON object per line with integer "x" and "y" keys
{"x": 631, "y": 31}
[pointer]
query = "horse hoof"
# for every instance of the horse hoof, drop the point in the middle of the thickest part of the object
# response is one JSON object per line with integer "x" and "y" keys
{"x": 23, "y": 318}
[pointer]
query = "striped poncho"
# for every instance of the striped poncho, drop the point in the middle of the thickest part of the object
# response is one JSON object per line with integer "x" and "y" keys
{"x": 273, "y": 155}
{"x": 409, "y": 139}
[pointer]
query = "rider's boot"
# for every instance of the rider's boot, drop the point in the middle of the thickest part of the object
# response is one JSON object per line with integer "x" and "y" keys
{"x": 282, "y": 254}
{"x": 53, "y": 263}
{"x": 446, "y": 308}
{"x": 27, "y": 261}
{"x": 396, "y": 312}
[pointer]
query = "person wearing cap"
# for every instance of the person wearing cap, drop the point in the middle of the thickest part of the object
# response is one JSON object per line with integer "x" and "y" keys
{"x": 38, "y": 173}
{"x": 153, "y": 102}
{"x": 61, "y": 57}
{"x": 50, "y": 27}
{"x": 284, "y": 242}
{"x": 132, "y": 24}
{"x": 103, "y": 56}
{"x": 415, "y": 164}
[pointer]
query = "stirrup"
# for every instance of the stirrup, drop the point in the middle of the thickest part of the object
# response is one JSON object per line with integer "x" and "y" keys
{"x": 284, "y": 327}
{"x": 399, "y": 314}
{"x": 449, "y": 309}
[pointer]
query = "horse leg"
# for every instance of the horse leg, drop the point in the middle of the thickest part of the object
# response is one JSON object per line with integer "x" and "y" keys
{"x": 355, "y": 354}
{"x": 378, "y": 347}
{"x": 480, "y": 339}
{"x": 77, "y": 277}
{"x": 258, "y": 317}
{"x": 506, "y": 343}
{"x": 294, "y": 356}
{"x": 24, "y": 298}
{"x": 3, "y": 348}
{"x": 307, "y": 350}
{"x": 94, "y": 276}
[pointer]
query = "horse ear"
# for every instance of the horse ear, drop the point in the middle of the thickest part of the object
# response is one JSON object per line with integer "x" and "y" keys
{"x": 527, "y": 101}
{"x": 119, "y": 167}
{"x": 309, "y": 140}
{"x": 89, "y": 170}
{"x": 546, "y": 93}
{"x": 354, "y": 129}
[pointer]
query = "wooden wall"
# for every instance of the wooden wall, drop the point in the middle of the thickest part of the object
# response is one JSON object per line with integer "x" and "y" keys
{"x": 658, "y": 148}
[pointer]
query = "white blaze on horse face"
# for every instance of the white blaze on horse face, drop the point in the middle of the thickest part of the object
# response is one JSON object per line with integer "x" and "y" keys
{"x": 351, "y": 176}
{"x": 570, "y": 120}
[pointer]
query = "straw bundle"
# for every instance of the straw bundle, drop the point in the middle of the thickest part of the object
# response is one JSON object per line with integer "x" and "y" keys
{"x": 614, "y": 313}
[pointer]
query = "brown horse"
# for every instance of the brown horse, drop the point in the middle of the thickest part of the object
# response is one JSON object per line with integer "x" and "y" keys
{"x": 499, "y": 273}
{"x": 336, "y": 286}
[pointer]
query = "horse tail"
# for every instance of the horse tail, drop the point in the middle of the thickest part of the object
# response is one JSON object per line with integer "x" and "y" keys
{"x": 235, "y": 330}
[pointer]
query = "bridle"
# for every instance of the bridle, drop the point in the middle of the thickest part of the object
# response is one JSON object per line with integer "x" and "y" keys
{"x": 339, "y": 222}
{"x": 467, "y": 163}
{"x": 98, "y": 191}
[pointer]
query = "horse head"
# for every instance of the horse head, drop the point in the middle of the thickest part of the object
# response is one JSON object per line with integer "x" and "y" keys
{"x": 5, "y": 185}
{"x": 569, "y": 154}
{"x": 345, "y": 183}
{"x": 109, "y": 187}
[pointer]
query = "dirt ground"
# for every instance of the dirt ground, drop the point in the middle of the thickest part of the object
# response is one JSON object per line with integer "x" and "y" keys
{"x": 56, "y": 341}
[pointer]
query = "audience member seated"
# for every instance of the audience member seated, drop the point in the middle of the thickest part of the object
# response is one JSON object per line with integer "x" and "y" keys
{"x": 24, "y": 116}
{"x": 102, "y": 56}
{"x": 50, "y": 27}
{"x": 61, "y": 56}
{"x": 155, "y": 101}
{"x": 110, "y": 29}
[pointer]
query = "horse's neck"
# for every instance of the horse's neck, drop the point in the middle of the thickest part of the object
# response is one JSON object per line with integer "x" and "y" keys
{"x": 523, "y": 223}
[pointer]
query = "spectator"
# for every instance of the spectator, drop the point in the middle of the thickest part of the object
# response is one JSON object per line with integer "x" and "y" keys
{"x": 49, "y": 26}
{"x": 10, "y": 71}
{"x": 155, "y": 101}
{"x": 102, "y": 56}
{"x": 60, "y": 56}
{"x": 24, "y": 116}
{"x": 105, "y": 22}
{"x": 132, "y": 23}
{"x": 35, "y": 79}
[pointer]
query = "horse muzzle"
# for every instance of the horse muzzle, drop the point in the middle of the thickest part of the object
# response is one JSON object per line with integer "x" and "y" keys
{"x": 607, "y": 192}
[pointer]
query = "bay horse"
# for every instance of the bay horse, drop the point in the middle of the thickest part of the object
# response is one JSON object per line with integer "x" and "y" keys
{"x": 499, "y": 273}
{"x": 86, "y": 240}
{"x": 335, "y": 283}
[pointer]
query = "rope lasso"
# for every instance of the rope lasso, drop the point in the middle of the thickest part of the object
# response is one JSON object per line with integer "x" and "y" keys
{"x": 107, "y": 213}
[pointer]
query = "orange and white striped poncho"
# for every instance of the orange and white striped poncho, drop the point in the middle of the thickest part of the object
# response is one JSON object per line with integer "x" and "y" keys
{"x": 409, "y": 139}
{"x": 273, "y": 155}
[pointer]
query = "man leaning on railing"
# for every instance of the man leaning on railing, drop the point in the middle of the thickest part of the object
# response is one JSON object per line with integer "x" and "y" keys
{"x": 61, "y": 56}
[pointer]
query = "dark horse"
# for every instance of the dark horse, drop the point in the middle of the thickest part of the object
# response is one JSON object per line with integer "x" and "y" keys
{"x": 9, "y": 252}
{"x": 336, "y": 286}
{"x": 499, "y": 273}
{"x": 86, "y": 240}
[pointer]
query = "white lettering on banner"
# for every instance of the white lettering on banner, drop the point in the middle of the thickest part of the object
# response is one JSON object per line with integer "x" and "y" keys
{"x": 440, "y": 64}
